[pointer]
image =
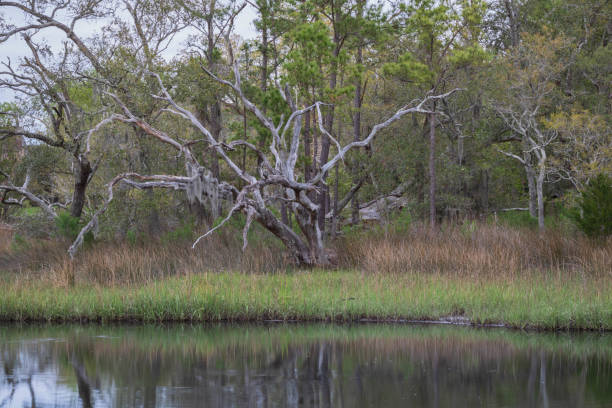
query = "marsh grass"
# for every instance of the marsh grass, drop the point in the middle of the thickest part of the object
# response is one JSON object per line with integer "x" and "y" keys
{"x": 6, "y": 237}
{"x": 477, "y": 251}
{"x": 321, "y": 295}
{"x": 121, "y": 264}
{"x": 472, "y": 251}
{"x": 486, "y": 274}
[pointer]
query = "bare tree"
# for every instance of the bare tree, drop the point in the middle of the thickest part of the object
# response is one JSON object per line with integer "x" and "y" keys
{"x": 8, "y": 186}
{"x": 255, "y": 194}
{"x": 147, "y": 27}
{"x": 530, "y": 72}
{"x": 581, "y": 150}
{"x": 212, "y": 20}
{"x": 60, "y": 121}
{"x": 275, "y": 180}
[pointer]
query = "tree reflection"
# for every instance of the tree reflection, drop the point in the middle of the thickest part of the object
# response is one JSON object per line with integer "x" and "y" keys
{"x": 329, "y": 367}
{"x": 83, "y": 384}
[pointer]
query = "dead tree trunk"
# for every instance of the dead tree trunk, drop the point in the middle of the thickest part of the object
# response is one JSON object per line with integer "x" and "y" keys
{"x": 531, "y": 182}
{"x": 540, "y": 196}
{"x": 541, "y": 154}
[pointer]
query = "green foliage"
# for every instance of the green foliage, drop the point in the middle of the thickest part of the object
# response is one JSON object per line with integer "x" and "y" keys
{"x": 517, "y": 219}
{"x": 402, "y": 220}
{"x": 593, "y": 215}
{"x": 133, "y": 237}
{"x": 182, "y": 233}
{"x": 67, "y": 225}
{"x": 28, "y": 211}
{"x": 428, "y": 20}
{"x": 82, "y": 94}
{"x": 398, "y": 222}
{"x": 33, "y": 222}
{"x": 468, "y": 228}
{"x": 409, "y": 69}
{"x": 313, "y": 49}
{"x": 558, "y": 219}
{"x": 468, "y": 56}
{"x": 19, "y": 243}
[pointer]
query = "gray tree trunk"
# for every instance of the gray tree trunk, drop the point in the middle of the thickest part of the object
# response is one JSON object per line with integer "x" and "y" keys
{"x": 531, "y": 182}
{"x": 540, "y": 195}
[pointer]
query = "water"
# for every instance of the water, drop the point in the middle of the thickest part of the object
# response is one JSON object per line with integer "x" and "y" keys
{"x": 301, "y": 366}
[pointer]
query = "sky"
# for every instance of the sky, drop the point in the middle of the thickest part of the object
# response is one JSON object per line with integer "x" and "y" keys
{"x": 15, "y": 48}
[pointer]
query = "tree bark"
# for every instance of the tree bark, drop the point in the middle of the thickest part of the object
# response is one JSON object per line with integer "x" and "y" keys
{"x": 215, "y": 109}
{"x": 540, "y": 195}
{"x": 531, "y": 185}
{"x": 356, "y": 138}
{"x": 420, "y": 171}
{"x": 328, "y": 124}
{"x": 264, "y": 56}
{"x": 303, "y": 253}
{"x": 484, "y": 191}
{"x": 215, "y": 124}
{"x": 264, "y": 75}
{"x": 307, "y": 141}
{"x": 81, "y": 180}
{"x": 334, "y": 226}
{"x": 432, "y": 170}
{"x": 513, "y": 21}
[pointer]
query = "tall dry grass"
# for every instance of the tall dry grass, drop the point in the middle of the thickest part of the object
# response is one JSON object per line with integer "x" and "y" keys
{"x": 482, "y": 251}
{"x": 485, "y": 250}
{"x": 112, "y": 264}
{"x": 6, "y": 236}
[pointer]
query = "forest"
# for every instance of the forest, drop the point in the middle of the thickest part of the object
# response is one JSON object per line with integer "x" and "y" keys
{"x": 141, "y": 139}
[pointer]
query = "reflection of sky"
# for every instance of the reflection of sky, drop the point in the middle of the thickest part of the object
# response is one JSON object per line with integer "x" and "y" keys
{"x": 15, "y": 48}
{"x": 49, "y": 391}
{"x": 39, "y": 374}
{"x": 50, "y": 388}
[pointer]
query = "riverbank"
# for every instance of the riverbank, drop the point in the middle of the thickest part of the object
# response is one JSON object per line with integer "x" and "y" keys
{"x": 530, "y": 301}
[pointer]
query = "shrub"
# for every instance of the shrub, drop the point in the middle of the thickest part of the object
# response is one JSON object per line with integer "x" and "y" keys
{"x": 593, "y": 215}
{"x": 182, "y": 233}
{"x": 67, "y": 225}
{"x": 19, "y": 243}
{"x": 131, "y": 236}
{"x": 517, "y": 219}
{"x": 31, "y": 222}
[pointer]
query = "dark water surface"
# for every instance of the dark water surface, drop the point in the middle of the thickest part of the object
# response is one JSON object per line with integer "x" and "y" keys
{"x": 301, "y": 366}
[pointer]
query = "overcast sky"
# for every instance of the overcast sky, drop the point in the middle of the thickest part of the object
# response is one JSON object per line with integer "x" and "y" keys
{"x": 15, "y": 48}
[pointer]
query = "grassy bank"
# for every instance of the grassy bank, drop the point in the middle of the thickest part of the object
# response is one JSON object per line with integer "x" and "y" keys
{"x": 484, "y": 273}
{"x": 547, "y": 302}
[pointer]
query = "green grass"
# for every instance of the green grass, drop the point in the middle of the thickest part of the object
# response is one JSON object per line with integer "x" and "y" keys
{"x": 536, "y": 302}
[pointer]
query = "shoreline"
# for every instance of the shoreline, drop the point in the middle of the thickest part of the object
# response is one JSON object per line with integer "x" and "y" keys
{"x": 340, "y": 322}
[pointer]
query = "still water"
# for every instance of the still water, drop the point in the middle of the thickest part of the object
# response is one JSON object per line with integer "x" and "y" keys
{"x": 301, "y": 366}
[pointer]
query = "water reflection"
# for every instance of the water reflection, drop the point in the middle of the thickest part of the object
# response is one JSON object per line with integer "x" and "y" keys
{"x": 301, "y": 366}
